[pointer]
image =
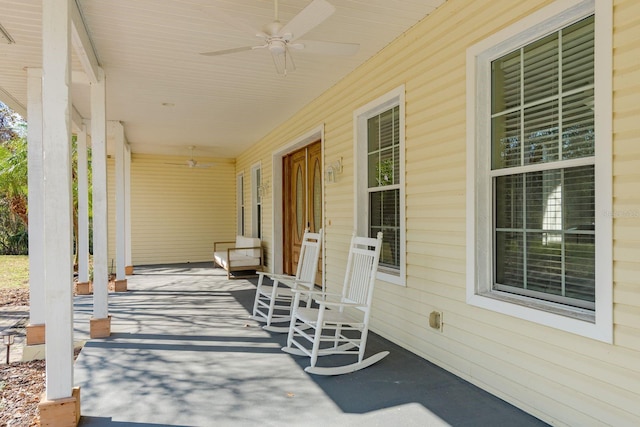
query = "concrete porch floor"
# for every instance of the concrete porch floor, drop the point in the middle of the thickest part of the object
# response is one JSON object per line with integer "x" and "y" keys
{"x": 184, "y": 353}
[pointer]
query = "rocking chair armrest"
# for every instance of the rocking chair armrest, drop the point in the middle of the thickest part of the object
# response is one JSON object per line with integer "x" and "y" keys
{"x": 276, "y": 276}
{"x": 334, "y": 304}
{"x": 307, "y": 291}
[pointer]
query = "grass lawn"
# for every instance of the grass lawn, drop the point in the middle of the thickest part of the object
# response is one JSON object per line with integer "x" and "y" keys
{"x": 14, "y": 271}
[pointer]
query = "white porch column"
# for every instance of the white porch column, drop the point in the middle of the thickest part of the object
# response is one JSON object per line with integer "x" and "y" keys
{"x": 117, "y": 131}
{"x": 83, "y": 213}
{"x": 56, "y": 108}
{"x": 100, "y": 324}
{"x": 35, "y": 329}
{"x": 128, "y": 269}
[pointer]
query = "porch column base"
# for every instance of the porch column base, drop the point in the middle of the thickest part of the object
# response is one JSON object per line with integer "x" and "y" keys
{"x": 35, "y": 334}
{"x": 83, "y": 288}
{"x": 33, "y": 352}
{"x": 120, "y": 285}
{"x": 61, "y": 412}
{"x": 100, "y": 328}
{"x": 128, "y": 270}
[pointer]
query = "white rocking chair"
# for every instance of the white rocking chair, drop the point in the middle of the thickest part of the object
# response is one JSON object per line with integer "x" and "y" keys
{"x": 334, "y": 330}
{"x": 272, "y": 303}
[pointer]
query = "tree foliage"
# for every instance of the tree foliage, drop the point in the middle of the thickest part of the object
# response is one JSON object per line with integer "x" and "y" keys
{"x": 14, "y": 217}
{"x": 10, "y": 124}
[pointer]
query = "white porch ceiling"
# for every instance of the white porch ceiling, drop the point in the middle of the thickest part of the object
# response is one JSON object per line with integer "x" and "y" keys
{"x": 168, "y": 96}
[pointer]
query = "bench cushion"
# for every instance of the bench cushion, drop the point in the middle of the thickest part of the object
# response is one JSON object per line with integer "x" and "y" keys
{"x": 247, "y": 242}
{"x": 249, "y": 258}
{"x": 236, "y": 260}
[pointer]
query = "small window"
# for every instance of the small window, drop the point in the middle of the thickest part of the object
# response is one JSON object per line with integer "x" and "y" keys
{"x": 380, "y": 180}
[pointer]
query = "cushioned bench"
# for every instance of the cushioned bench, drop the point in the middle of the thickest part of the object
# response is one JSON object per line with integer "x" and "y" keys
{"x": 243, "y": 254}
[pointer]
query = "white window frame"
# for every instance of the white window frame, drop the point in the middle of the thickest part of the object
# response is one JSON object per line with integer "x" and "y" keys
{"x": 596, "y": 324}
{"x": 240, "y": 203}
{"x": 256, "y": 201}
{"x": 390, "y": 100}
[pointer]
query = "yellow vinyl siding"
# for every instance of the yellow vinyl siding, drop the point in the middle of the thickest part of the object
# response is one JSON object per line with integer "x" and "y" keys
{"x": 562, "y": 378}
{"x": 176, "y": 212}
{"x": 626, "y": 197}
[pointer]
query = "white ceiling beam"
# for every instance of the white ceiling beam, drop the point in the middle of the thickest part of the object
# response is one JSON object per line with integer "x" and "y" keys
{"x": 12, "y": 103}
{"x": 76, "y": 119}
{"x": 82, "y": 44}
{"x": 79, "y": 77}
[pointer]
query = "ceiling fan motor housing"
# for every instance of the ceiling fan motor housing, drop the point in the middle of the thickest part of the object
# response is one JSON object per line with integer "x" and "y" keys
{"x": 277, "y": 46}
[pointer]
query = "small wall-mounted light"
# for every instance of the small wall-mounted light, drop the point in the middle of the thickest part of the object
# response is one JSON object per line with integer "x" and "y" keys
{"x": 334, "y": 169}
{"x": 263, "y": 189}
{"x": 7, "y": 339}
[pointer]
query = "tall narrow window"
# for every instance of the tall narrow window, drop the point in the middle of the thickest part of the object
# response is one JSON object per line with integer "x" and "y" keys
{"x": 383, "y": 158}
{"x": 380, "y": 199}
{"x": 256, "y": 195}
{"x": 240, "y": 203}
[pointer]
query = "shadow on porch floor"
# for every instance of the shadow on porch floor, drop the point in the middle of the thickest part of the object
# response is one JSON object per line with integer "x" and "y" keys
{"x": 183, "y": 353}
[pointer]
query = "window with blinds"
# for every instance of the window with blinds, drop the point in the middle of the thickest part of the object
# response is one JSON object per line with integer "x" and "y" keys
{"x": 543, "y": 168}
{"x": 383, "y": 176}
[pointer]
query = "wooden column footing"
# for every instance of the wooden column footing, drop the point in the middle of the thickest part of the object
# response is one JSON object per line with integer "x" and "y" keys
{"x": 100, "y": 328}
{"x": 120, "y": 285}
{"x": 35, "y": 334}
{"x": 128, "y": 270}
{"x": 61, "y": 412}
{"x": 83, "y": 288}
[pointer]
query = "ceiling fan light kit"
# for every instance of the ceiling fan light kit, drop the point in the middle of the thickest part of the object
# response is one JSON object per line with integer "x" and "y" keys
{"x": 280, "y": 39}
{"x": 191, "y": 162}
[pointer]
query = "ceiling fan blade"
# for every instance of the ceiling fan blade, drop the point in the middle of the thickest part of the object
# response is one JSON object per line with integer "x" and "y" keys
{"x": 227, "y": 51}
{"x": 329, "y": 48}
{"x": 283, "y": 62}
{"x": 308, "y": 18}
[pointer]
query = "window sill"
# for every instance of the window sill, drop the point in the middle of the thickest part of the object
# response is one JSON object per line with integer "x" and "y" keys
{"x": 390, "y": 275}
{"x": 574, "y": 320}
{"x": 541, "y": 305}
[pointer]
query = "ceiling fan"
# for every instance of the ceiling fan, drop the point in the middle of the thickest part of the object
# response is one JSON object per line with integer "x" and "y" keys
{"x": 191, "y": 162}
{"x": 280, "y": 39}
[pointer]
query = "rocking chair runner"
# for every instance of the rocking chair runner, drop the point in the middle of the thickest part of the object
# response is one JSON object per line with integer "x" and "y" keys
{"x": 272, "y": 303}
{"x": 350, "y": 330}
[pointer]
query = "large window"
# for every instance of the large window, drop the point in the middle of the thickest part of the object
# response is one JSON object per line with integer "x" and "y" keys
{"x": 380, "y": 175}
{"x": 540, "y": 171}
{"x": 542, "y": 119}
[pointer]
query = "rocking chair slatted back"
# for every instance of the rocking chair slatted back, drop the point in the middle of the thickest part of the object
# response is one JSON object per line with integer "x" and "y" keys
{"x": 309, "y": 254}
{"x": 360, "y": 277}
{"x": 350, "y": 329}
{"x": 272, "y": 304}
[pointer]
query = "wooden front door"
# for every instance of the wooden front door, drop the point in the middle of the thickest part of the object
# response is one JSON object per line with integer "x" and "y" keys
{"x": 302, "y": 190}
